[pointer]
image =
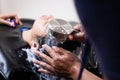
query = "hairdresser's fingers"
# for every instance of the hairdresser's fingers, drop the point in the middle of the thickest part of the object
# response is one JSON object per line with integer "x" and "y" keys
{"x": 44, "y": 57}
{"x": 50, "y": 51}
{"x": 41, "y": 70}
{"x": 79, "y": 36}
{"x": 70, "y": 37}
{"x": 82, "y": 32}
{"x": 79, "y": 27}
{"x": 44, "y": 65}
{"x": 59, "y": 50}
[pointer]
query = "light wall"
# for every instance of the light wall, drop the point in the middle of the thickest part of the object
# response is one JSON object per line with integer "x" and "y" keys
{"x": 64, "y": 9}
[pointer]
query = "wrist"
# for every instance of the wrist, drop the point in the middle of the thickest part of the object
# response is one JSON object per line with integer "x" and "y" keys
{"x": 75, "y": 70}
{"x": 87, "y": 75}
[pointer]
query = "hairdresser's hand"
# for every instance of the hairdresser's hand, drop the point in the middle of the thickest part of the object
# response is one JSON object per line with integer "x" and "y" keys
{"x": 4, "y": 17}
{"x": 61, "y": 63}
{"x": 80, "y": 36}
{"x": 40, "y": 25}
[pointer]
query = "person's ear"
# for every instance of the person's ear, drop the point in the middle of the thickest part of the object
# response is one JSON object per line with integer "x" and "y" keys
{"x": 34, "y": 45}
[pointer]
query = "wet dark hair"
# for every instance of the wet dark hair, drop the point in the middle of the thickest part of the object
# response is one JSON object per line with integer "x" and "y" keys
{"x": 51, "y": 41}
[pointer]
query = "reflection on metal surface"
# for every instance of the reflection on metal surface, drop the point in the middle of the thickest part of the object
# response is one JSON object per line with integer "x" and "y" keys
{"x": 60, "y": 29}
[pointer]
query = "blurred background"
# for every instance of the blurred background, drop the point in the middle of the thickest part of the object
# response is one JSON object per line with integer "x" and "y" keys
{"x": 64, "y": 9}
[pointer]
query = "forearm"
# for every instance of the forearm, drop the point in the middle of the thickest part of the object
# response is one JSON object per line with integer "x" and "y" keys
{"x": 86, "y": 75}
{"x": 89, "y": 76}
{"x": 75, "y": 71}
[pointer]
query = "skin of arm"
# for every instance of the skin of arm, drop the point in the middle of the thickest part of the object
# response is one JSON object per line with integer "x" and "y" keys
{"x": 89, "y": 76}
{"x": 62, "y": 63}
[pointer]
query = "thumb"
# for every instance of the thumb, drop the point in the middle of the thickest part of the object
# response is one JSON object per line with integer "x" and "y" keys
{"x": 78, "y": 36}
{"x": 81, "y": 37}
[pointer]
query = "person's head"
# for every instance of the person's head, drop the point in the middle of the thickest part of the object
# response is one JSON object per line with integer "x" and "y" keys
{"x": 40, "y": 25}
{"x": 38, "y": 30}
